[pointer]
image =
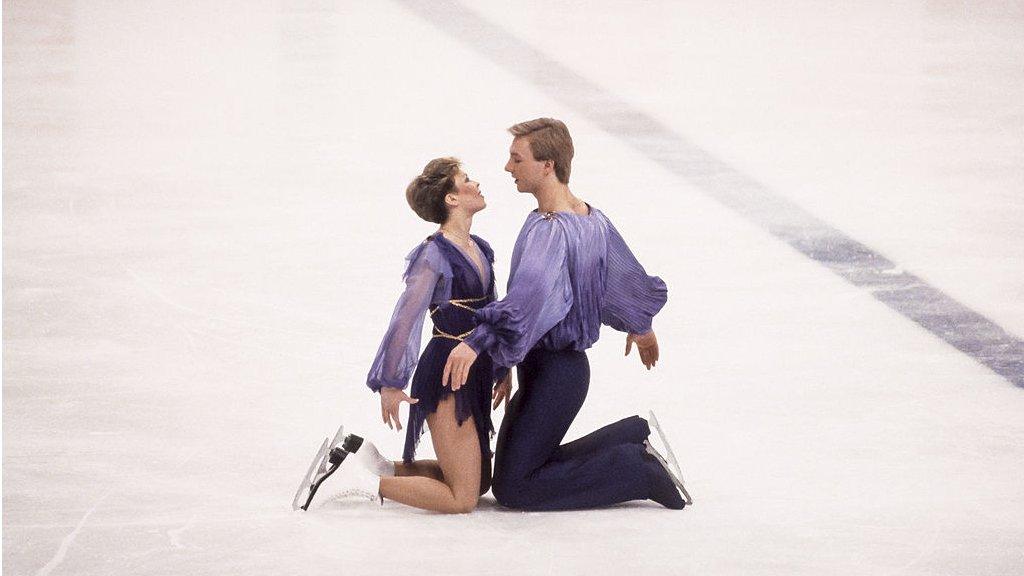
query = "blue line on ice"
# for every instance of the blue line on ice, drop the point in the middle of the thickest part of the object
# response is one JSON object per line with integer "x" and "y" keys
{"x": 956, "y": 324}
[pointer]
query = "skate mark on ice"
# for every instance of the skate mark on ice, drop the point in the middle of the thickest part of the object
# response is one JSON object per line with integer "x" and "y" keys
{"x": 243, "y": 323}
{"x": 156, "y": 523}
{"x": 70, "y": 538}
{"x": 191, "y": 455}
{"x": 262, "y": 302}
{"x": 928, "y": 546}
{"x": 242, "y": 342}
{"x": 176, "y": 533}
{"x": 956, "y": 324}
{"x": 149, "y": 287}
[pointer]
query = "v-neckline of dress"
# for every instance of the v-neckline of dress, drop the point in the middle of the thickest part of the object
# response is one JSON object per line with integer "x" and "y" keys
{"x": 478, "y": 271}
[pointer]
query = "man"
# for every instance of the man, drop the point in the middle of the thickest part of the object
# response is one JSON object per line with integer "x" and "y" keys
{"x": 571, "y": 272}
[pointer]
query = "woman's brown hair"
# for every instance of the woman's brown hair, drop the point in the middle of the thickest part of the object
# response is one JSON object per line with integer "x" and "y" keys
{"x": 426, "y": 192}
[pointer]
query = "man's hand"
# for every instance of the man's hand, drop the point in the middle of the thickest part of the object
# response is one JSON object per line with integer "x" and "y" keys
{"x": 456, "y": 370}
{"x": 390, "y": 400}
{"x": 647, "y": 345}
{"x": 502, "y": 391}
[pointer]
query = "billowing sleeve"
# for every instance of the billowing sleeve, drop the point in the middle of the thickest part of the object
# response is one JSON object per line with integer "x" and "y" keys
{"x": 539, "y": 296}
{"x": 427, "y": 279}
{"x": 631, "y": 297}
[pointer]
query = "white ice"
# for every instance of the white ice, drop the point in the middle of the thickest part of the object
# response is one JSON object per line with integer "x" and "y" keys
{"x": 203, "y": 233}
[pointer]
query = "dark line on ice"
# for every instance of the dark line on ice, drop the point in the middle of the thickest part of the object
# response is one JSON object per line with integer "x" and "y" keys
{"x": 953, "y": 322}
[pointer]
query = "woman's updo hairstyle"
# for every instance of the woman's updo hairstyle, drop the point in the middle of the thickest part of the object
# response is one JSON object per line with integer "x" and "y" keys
{"x": 426, "y": 192}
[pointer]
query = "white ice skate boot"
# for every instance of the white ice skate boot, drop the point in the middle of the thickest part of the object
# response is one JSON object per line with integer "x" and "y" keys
{"x": 371, "y": 458}
{"x": 668, "y": 460}
{"x": 357, "y": 478}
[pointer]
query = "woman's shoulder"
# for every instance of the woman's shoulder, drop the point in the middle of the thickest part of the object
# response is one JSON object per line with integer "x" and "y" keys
{"x": 428, "y": 245}
{"x": 429, "y": 253}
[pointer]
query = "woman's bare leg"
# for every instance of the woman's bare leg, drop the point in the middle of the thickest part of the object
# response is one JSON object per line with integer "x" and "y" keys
{"x": 427, "y": 468}
{"x": 458, "y": 454}
{"x": 431, "y": 469}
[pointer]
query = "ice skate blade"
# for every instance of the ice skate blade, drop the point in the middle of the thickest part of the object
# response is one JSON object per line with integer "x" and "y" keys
{"x": 668, "y": 461}
{"x": 670, "y": 456}
{"x": 339, "y": 436}
{"x": 307, "y": 481}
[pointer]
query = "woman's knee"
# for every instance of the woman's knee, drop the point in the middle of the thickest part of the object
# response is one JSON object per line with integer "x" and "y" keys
{"x": 465, "y": 505}
{"x": 463, "y": 501}
{"x": 465, "y": 493}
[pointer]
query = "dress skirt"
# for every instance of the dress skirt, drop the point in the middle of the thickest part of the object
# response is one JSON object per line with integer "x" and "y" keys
{"x": 472, "y": 399}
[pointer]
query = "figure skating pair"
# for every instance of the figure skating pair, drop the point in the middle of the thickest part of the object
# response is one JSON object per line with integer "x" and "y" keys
{"x": 571, "y": 272}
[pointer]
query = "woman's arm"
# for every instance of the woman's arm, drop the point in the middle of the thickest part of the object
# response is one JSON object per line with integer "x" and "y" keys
{"x": 399, "y": 350}
{"x": 426, "y": 276}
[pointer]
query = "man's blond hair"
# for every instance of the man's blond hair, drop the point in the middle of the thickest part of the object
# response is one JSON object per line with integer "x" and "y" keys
{"x": 549, "y": 140}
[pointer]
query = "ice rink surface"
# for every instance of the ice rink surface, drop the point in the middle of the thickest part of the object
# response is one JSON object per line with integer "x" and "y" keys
{"x": 204, "y": 229}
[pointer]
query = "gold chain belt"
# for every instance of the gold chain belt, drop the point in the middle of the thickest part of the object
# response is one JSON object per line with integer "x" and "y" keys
{"x": 438, "y": 333}
{"x": 459, "y": 303}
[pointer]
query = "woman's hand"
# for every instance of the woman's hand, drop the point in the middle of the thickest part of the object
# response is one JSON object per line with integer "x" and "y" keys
{"x": 502, "y": 391}
{"x": 390, "y": 400}
{"x": 647, "y": 345}
{"x": 456, "y": 370}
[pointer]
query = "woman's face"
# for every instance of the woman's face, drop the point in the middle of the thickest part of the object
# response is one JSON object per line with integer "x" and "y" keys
{"x": 468, "y": 193}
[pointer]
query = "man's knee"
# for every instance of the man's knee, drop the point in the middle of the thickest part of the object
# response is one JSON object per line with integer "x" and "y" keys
{"x": 511, "y": 491}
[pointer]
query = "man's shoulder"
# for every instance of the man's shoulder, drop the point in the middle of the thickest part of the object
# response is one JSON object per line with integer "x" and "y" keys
{"x": 543, "y": 223}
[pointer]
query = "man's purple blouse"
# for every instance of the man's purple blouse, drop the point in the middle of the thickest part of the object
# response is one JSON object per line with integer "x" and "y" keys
{"x": 570, "y": 274}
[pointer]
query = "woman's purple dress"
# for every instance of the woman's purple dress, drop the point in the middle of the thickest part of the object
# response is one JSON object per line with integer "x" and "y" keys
{"x": 440, "y": 279}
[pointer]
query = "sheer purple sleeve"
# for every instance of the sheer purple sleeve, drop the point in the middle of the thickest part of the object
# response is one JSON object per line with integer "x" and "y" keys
{"x": 631, "y": 297}
{"x": 427, "y": 279}
{"x": 539, "y": 296}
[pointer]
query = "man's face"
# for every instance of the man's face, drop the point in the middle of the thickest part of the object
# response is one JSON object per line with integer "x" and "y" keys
{"x": 528, "y": 172}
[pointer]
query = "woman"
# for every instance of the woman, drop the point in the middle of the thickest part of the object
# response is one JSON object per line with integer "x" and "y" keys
{"x": 450, "y": 276}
